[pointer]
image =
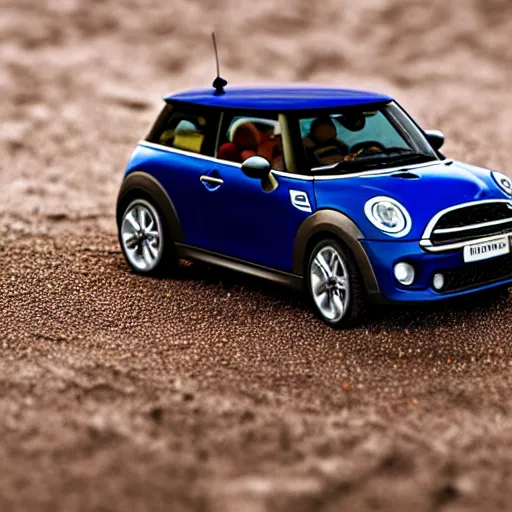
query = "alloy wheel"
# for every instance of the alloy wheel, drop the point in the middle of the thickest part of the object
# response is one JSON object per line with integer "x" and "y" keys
{"x": 329, "y": 283}
{"x": 141, "y": 235}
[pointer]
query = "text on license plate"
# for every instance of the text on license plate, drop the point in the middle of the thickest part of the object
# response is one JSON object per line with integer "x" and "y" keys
{"x": 487, "y": 250}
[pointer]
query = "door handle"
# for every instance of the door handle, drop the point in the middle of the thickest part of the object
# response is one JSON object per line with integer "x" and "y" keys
{"x": 212, "y": 180}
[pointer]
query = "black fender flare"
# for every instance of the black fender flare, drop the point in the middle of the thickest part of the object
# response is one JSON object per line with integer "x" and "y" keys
{"x": 142, "y": 182}
{"x": 342, "y": 227}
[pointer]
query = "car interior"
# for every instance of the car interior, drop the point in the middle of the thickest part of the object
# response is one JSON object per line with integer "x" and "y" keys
{"x": 330, "y": 139}
{"x": 322, "y": 145}
{"x": 184, "y": 132}
{"x": 248, "y": 137}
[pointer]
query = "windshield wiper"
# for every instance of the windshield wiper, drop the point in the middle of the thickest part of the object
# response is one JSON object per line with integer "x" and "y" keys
{"x": 390, "y": 151}
{"x": 371, "y": 162}
{"x": 363, "y": 163}
{"x": 424, "y": 157}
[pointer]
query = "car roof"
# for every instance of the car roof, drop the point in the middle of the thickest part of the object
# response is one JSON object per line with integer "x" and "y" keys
{"x": 279, "y": 98}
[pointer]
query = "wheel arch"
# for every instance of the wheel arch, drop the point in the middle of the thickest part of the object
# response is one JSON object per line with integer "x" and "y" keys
{"x": 331, "y": 223}
{"x": 140, "y": 183}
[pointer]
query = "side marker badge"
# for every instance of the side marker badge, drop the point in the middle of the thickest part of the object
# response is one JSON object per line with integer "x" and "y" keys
{"x": 300, "y": 200}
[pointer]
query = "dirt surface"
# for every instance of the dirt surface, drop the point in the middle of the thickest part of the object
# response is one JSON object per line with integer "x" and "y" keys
{"x": 214, "y": 391}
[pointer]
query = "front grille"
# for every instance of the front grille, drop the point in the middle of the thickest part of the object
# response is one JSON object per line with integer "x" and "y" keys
{"x": 471, "y": 222}
{"x": 474, "y": 214}
{"x": 473, "y": 275}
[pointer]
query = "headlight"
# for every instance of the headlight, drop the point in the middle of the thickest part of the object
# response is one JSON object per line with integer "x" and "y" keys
{"x": 504, "y": 182}
{"x": 388, "y": 215}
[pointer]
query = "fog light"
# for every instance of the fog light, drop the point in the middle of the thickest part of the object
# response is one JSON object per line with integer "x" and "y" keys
{"x": 438, "y": 281}
{"x": 404, "y": 273}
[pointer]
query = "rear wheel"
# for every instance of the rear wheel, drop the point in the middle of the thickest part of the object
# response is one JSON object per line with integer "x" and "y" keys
{"x": 145, "y": 241}
{"x": 335, "y": 285}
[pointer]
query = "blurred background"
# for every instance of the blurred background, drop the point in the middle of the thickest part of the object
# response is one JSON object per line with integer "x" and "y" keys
{"x": 82, "y": 81}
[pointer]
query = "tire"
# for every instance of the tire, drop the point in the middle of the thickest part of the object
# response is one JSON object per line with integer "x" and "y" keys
{"x": 335, "y": 286}
{"x": 145, "y": 238}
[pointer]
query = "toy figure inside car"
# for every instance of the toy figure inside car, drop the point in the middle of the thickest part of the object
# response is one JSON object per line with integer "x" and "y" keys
{"x": 336, "y": 192}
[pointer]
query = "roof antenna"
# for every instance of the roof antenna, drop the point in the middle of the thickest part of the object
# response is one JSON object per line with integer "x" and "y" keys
{"x": 219, "y": 83}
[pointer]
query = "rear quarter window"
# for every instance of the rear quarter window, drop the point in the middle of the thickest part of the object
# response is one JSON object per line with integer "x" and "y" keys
{"x": 184, "y": 129}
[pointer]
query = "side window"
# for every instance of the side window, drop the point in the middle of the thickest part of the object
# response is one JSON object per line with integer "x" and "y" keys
{"x": 188, "y": 131}
{"x": 244, "y": 136}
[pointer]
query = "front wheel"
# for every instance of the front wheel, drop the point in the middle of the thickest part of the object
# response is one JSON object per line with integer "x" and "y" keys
{"x": 146, "y": 244}
{"x": 335, "y": 285}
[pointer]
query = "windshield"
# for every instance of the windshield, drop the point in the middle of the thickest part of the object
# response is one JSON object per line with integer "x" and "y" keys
{"x": 363, "y": 139}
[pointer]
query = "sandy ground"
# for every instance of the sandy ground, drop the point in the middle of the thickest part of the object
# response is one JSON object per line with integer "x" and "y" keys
{"x": 213, "y": 391}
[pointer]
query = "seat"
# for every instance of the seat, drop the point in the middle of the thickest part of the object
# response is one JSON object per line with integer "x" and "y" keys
{"x": 245, "y": 143}
{"x": 271, "y": 148}
{"x": 322, "y": 145}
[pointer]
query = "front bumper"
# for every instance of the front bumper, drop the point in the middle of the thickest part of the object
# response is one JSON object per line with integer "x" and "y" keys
{"x": 461, "y": 278}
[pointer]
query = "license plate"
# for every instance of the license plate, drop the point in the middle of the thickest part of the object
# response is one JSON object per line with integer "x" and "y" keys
{"x": 487, "y": 250}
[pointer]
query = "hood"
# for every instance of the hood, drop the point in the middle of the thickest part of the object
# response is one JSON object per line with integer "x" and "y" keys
{"x": 423, "y": 191}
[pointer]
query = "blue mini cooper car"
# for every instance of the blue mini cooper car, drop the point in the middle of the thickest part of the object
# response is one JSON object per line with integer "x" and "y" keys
{"x": 336, "y": 192}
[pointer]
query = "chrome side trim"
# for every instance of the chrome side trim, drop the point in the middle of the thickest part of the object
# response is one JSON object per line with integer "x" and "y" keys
{"x": 432, "y": 223}
{"x": 427, "y": 244}
{"x": 284, "y": 174}
{"x": 472, "y": 226}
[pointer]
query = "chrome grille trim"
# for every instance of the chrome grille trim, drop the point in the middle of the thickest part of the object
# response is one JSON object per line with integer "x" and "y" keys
{"x": 427, "y": 244}
{"x": 472, "y": 226}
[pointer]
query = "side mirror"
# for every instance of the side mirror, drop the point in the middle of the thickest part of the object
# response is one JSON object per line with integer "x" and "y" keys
{"x": 435, "y": 138}
{"x": 256, "y": 167}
